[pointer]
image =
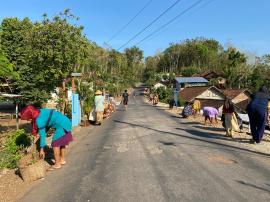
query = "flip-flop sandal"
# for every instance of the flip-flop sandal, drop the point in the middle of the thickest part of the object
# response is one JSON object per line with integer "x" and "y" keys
{"x": 52, "y": 168}
{"x": 63, "y": 163}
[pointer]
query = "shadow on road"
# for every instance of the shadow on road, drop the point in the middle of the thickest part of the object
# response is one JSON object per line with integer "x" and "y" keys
{"x": 252, "y": 185}
{"x": 201, "y": 134}
{"x": 210, "y": 128}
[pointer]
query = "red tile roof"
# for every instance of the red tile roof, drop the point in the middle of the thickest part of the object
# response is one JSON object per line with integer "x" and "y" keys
{"x": 232, "y": 93}
{"x": 189, "y": 93}
{"x": 243, "y": 105}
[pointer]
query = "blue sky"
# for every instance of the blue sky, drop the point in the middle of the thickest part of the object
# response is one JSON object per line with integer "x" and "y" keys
{"x": 243, "y": 23}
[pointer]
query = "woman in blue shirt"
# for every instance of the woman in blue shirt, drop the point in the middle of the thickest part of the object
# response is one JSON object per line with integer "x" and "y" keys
{"x": 42, "y": 118}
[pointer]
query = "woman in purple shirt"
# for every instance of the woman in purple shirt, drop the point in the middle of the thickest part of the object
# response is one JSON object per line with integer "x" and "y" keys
{"x": 210, "y": 113}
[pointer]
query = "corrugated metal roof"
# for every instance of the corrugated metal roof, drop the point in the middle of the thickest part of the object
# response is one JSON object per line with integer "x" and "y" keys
{"x": 191, "y": 80}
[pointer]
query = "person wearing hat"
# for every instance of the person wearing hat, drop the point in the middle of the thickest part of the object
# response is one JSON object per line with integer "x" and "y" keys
{"x": 99, "y": 106}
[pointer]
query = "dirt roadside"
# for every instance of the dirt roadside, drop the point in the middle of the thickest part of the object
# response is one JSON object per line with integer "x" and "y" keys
{"x": 12, "y": 187}
{"x": 241, "y": 139}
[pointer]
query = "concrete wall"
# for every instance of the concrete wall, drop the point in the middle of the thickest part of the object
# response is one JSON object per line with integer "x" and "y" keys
{"x": 211, "y": 94}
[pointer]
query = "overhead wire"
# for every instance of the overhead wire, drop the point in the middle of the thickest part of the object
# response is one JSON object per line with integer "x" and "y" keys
{"x": 129, "y": 22}
{"x": 162, "y": 30}
{"x": 152, "y": 22}
{"x": 170, "y": 21}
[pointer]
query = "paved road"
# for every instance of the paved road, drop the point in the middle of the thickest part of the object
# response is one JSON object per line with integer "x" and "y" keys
{"x": 146, "y": 155}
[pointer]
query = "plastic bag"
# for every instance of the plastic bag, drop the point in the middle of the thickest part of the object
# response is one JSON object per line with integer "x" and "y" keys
{"x": 92, "y": 116}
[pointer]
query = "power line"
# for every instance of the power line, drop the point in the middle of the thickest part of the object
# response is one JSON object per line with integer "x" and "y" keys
{"x": 163, "y": 13}
{"x": 199, "y": 8}
{"x": 170, "y": 21}
{"x": 161, "y": 31}
{"x": 130, "y": 21}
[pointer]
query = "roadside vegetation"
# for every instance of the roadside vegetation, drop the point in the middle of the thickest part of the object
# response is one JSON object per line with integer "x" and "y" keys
{"x": 198, "y": 55}
{"x": 36, "y": 57}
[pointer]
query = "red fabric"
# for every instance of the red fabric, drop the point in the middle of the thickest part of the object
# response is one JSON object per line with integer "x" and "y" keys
{"x": 31, "y": 113}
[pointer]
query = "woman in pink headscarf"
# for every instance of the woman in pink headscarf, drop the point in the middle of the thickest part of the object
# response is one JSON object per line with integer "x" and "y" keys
{"x": 42, "y": 118}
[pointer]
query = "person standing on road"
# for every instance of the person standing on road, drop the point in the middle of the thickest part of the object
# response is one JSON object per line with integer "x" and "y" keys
{"x": 99, "y": 106}
{"x": 42, "y": 118}
{"x": 231, "y": 123}
{"x": 258, "y": 114}
{"x": 125, "y": 99}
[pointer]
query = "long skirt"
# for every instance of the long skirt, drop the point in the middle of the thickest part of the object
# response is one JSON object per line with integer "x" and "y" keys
{"x": 64, "y": 140}
{"x": 257, "y": 120}
{"x": 99, "y": 117}
{"x": 231, "y": 124}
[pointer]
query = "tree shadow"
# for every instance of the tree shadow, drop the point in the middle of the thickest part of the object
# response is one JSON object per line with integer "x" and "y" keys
{"x": 188, "y": 123}
{"x": 210, "y": 128}
{"x": 253, "y": 186}
{"x": 208, "y": 135}
{"x": 202, "y": 134}
{"x": 49, "y": 155}
{"x": 177, "y": 117}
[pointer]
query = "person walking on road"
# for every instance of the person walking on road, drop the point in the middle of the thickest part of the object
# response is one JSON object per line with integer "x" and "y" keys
{"x": 258, "y": 114}
{"x": 99, "y": 106}
{"x": 125, "y": 99}
{"x": 42, "y": 118}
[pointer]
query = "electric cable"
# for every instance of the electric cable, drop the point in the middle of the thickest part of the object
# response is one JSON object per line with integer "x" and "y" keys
{"x": 152, "y": 22}
{"x": 170, "y": 21}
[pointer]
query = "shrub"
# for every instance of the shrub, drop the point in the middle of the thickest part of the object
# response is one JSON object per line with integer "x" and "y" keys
{"x": 164, "y": 94}
{"x": 15, "y": 142}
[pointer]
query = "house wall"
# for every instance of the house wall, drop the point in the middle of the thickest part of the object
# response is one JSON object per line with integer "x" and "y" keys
{"x": 241, "y": 97}
{"x": 211, "y": 94}
{"x": 194, "y": 84}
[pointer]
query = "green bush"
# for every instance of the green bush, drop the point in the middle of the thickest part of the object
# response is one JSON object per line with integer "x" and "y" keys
{"x": 181, "y": 102}
{"x": 15, "y": 142}
{"x": 164, "y": 94}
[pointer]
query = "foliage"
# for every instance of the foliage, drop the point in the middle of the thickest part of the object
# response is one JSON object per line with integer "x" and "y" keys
{"x": 198, "y": 55}
{"x": 189, "y": 71}
{"x": 181, "y": 102}
{"x": 164, "y": 94}
{"x": 43, "y": 53}
{"x": 6, "y": 68}
{"x": 16, "y": 141}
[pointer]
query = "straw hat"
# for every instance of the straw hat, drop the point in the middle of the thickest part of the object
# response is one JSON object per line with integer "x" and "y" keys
{"x": 98, "y": 92}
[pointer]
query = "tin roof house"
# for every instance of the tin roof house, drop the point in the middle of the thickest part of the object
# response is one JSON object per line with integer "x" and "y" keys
{"x": 183, "y": 82}
{"x": 207, "y": 95}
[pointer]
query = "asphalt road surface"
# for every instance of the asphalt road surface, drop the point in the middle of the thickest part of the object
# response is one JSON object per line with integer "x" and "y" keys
{"x": 146, "y": 154}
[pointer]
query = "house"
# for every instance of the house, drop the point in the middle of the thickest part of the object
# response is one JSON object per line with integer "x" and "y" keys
{"x": 207, "y": 95}
{"x": 240, "y": 97}
{"x": 183, "y": 82}
{"x": 208, "y": 75}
